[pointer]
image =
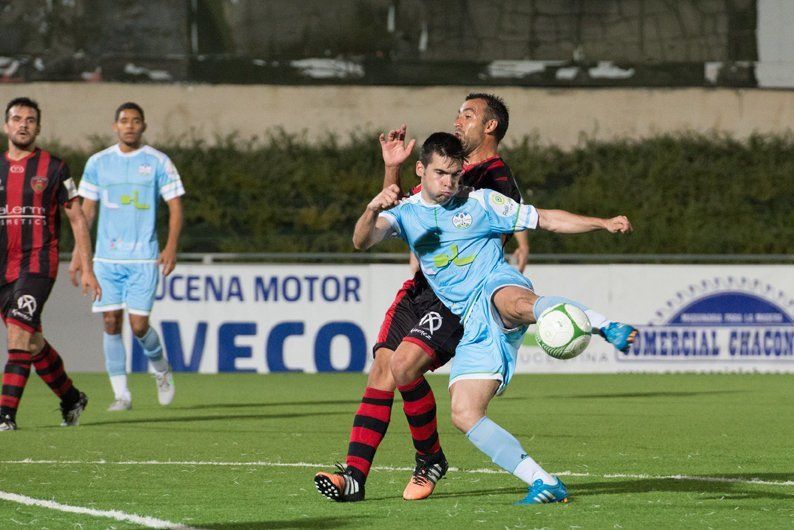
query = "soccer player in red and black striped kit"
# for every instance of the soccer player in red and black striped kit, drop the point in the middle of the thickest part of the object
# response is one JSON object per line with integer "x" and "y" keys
{"x": 33, "y": 183}
{"x": 419, "y": 333}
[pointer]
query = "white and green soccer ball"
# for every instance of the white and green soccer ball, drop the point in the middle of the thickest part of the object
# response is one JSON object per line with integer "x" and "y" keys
{"x": 563, "y": 331}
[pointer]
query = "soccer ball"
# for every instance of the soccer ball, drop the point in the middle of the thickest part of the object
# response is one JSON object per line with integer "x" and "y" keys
{"x": 563, "y": 331}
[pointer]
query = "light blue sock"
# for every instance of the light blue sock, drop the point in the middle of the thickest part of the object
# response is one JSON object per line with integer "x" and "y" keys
{"x": 503, "y": 448}
{"x": 597, "y": 320}
{"x": 506, "y": 452}
{"x": 115, "y": 354}
{"x": 150, "y": 343}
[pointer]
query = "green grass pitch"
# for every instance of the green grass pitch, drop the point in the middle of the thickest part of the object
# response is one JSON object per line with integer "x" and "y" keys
{"x": 238, "y": 451}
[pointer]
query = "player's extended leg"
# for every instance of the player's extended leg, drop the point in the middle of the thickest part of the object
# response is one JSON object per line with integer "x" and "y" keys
{"x": 369, "y": 427}
{"x": 470, "y": 398}
{"x": 49, "y": 366}
{"x": 116, "y": 359}
{"x": 408, "y": 365}
{"x": 519, "y": 306}
{"x": 15, "y": 375}
{"x": 149, "y": 340}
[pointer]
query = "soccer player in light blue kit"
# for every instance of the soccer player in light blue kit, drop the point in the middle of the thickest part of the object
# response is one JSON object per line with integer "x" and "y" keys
{"x": 456, "y": 234}
{"x": 126, "y": 180}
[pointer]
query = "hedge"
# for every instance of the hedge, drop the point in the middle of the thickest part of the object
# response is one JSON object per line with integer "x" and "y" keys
{"x": 686, "y": 193}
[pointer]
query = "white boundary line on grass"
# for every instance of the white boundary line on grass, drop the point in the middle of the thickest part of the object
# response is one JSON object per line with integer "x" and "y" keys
{"x": 149, "y": 522}
{"x": 694, "y": 478}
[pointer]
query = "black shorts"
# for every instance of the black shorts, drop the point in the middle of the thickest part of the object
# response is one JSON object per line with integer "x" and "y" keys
{"x": 418, "y": 316}
{"x": 23, "y": 300}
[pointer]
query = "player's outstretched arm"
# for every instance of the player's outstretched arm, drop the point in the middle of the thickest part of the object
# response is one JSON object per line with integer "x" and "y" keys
{"x": 175, "y": 220}
{"x": 564, "y": 222}
{"x": 370, "y": 228}
{"x": 76, "y": 265}
{"x": 395, "y": 152}
{"x": 83, "y": 243}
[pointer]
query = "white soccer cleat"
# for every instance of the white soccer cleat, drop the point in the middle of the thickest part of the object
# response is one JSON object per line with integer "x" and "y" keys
{"x": 120, "y": 404}
{"x": 165, "y": 387}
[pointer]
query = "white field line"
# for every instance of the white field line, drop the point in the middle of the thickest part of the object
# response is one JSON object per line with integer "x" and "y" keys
{"x": 694, "y": 478}
{"x": 149, "y": 522}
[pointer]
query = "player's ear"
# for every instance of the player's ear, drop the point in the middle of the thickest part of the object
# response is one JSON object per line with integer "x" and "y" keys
{"x": 420, "y": 169}
{"x": 143, "y": 129}
{"x": 490, "y": 126}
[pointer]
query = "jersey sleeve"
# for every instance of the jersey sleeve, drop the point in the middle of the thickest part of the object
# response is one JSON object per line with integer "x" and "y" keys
{"x": 168, "y": 180}
{"x": 505, "y": 215}
{"x": 67, "y": 190}
{"x": 394, "y": 221}
{"x": 89, "y": 184}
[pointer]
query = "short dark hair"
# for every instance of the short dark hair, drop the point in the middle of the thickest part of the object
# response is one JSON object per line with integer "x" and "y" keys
{"x": 24, "y": 102}
{"x": 443, "y": 144}
{"x": 495, "y": 110}
{"x": 129, "y": 106}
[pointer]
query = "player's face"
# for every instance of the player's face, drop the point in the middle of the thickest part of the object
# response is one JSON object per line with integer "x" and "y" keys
{"x": 471, "y": 123}
{"x": 130, "y": 127}
{"x": 22, "y": 126}
{"x": 440, "y": 178}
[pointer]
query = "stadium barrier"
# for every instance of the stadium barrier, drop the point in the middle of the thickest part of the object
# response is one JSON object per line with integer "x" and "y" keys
{"x": 268, "y": 317}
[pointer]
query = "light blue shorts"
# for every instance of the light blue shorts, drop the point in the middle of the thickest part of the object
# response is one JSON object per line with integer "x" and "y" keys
{"x": 488, "y": 350}
{"x": 126, "y": 285}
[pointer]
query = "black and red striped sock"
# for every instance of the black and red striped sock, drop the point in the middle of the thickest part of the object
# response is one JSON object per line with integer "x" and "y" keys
{"x": 419, "y": 405}
{"x": 15, "y": 378}
{"x": 369, "y": 428}
{"x": 49, "y": 366}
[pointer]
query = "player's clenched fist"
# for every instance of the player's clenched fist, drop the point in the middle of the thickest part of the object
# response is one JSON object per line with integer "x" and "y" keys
{"x": 619, "y": 224}
{"x": 388, "y": 198}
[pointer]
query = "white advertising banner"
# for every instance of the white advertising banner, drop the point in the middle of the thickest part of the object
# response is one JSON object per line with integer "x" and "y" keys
{"x": 324, "y": 318}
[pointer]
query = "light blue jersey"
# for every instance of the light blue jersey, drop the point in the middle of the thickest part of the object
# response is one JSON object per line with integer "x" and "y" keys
{"x": 460, "y": 250}
{"x": 127, "y": 187}
{"x": 459, "y": 243}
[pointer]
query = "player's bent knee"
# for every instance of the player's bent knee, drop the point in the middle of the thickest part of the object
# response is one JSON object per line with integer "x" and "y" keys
{"x": 380, "y": 376}
{"x": 112, "y": 322}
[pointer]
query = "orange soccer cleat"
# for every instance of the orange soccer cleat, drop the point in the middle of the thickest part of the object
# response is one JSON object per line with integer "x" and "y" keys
{"x": 428, "y": 471}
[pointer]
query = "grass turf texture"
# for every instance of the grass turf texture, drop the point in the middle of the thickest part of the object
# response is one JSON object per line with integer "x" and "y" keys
{"x": 644, "y": 427}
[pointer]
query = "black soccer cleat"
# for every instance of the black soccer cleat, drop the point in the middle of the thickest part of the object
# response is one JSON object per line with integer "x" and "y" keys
{"x": 339, "y": 486}
{"x": 8, "y": 423}
{"x": 71, "y": 413}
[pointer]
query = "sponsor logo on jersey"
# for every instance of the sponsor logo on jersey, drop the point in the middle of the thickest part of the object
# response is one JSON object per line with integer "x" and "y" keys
{"x": 461, "y": 220}
{"x": 16, "y": 168}
{"x": 733, "y": 319}
{"x": 503, "y": 206}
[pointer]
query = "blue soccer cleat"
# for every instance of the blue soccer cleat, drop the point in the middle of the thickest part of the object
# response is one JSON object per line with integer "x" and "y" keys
{"x": 619, "y": 335}
{"x": 542, "y": 493}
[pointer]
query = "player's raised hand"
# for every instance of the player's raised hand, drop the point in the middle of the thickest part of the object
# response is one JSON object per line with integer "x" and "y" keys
{"x": 74, "y": 268}
{"x": 91, "y": 286}
{"x": 619, "y": 224}
{"x": 393, "y": 147}
{"x": 389, "y": 197}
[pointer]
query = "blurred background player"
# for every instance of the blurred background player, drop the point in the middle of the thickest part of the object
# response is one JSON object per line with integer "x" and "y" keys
{"x": 464, "y": 263}
{"x": 419, "y": 333}
{"x": 126, "y": 180}
{"x": 33, "y": 183}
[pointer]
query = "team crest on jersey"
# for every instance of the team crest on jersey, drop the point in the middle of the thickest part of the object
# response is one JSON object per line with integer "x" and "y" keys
{"x": 503, "y": 206}
{"x": 461, "y": 220}
{"x": 145, "y": 170}
{"x": 38, "y": 183}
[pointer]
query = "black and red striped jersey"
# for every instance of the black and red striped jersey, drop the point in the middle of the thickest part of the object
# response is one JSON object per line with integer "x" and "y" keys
{"x": 31, "y": 189}
{"x": 492, "y": 173}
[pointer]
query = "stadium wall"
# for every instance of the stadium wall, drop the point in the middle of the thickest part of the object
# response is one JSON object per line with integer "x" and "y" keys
{"x": 323, "y": 318}
{"x": 75, "y": 112}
